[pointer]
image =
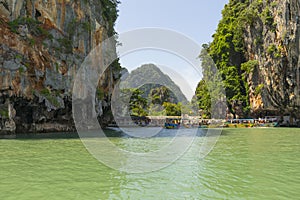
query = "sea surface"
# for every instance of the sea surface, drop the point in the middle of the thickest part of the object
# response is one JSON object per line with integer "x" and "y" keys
{"x": 249, "y": 163}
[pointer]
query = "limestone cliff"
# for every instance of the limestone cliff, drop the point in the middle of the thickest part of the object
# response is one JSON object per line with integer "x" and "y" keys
{"x": 42, "y": 45}
{"x": 273, "y": 40}
{"x": 257, "y": 50}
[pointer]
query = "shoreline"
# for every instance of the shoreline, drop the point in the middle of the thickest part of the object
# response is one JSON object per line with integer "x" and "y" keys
{"x": 74, "y": 135}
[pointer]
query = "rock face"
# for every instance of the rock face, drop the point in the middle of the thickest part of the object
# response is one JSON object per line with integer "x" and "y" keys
{"x": 42, "y": 46}
{"x": 148, "y": 77}
{"x": 256, "y": 49}
{"x": 273, "y": 40}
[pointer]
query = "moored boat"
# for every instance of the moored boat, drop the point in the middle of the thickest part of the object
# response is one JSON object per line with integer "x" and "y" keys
{"x": 172, "y": 123}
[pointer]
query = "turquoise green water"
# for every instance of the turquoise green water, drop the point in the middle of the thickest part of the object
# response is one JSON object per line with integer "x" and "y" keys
{"x": 245, "y": 164}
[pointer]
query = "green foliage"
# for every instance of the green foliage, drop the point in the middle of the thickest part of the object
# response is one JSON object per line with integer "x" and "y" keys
{"x": 143, "y": 74}
{"x": 110, "y": 14}
{"x": 274, "y": 4}
{"x": 228, "y": 48}
{"x": 266, "y": 16}
{"x": 275, "y": 51}
{"x": 86, "y": 26}
{"x": 53, "y": 100}
{"x": 156, "y": 110}
{"x": 19, "y": 57}
{"x": 66, "y": 44}
{"x": 249, "y": 66}
{"x": 152, "y": 98}
{"x": 159, "y": 102}
{"x": 100, "y": 93}
{"x": 159, "y": 95}
{"x": 258, "y": 41}
{"x": 163, "y": 102}
{"x": 210, "y": 90}
{"x": 138, "y": 104}
{"x": 31, "y": 41}
{"x": 203, "y": 99}
{"x": 45, "y": 92}
{"x": 4, "y": 113}
{"x": 189, "y": 109}
{"x": 251, "y": 13}
{"x": 258, "y": 89}
{"x": 268, "y": 19}
{"x": 21, "y": 70}
{"x": 56, "y": 66}
{"x": 34, "y": 26}
{"x": 172, "y": 109}
{"x": 27, "y": 65}
{"x": 76, "y": 25}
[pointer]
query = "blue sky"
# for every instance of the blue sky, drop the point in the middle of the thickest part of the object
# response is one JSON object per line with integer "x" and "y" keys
{"x": 196, "y": 19}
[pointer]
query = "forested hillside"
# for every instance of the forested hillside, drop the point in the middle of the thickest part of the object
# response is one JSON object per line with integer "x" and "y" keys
{"x": 256, "y": 50}
{"x": 152, "y": 92}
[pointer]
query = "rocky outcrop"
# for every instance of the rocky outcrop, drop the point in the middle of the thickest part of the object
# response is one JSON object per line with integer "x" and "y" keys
{"x": 42, "y": 45}
{"x": 272, "y": 40}
{"x": 148, "y": 77}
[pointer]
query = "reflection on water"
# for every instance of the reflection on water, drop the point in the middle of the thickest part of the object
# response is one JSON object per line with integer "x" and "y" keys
{"x": 245, "y": 164}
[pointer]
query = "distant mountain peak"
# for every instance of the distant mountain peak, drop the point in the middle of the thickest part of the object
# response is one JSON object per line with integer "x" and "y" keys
{"x": 151, "y": 74}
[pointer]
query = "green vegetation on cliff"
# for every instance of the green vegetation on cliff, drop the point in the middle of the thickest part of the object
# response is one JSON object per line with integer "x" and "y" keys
{"x": 153, "y": 92}
{"x": 110, "y": 14}
{"x": 44, "y": 44}
{"x": 229, "y": 53}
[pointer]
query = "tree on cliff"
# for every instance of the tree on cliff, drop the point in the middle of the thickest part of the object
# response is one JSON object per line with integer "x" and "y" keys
{"x": 138, "y": 104}
{"x": 210, "y": 90}
{"x": 228, "y": 53}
